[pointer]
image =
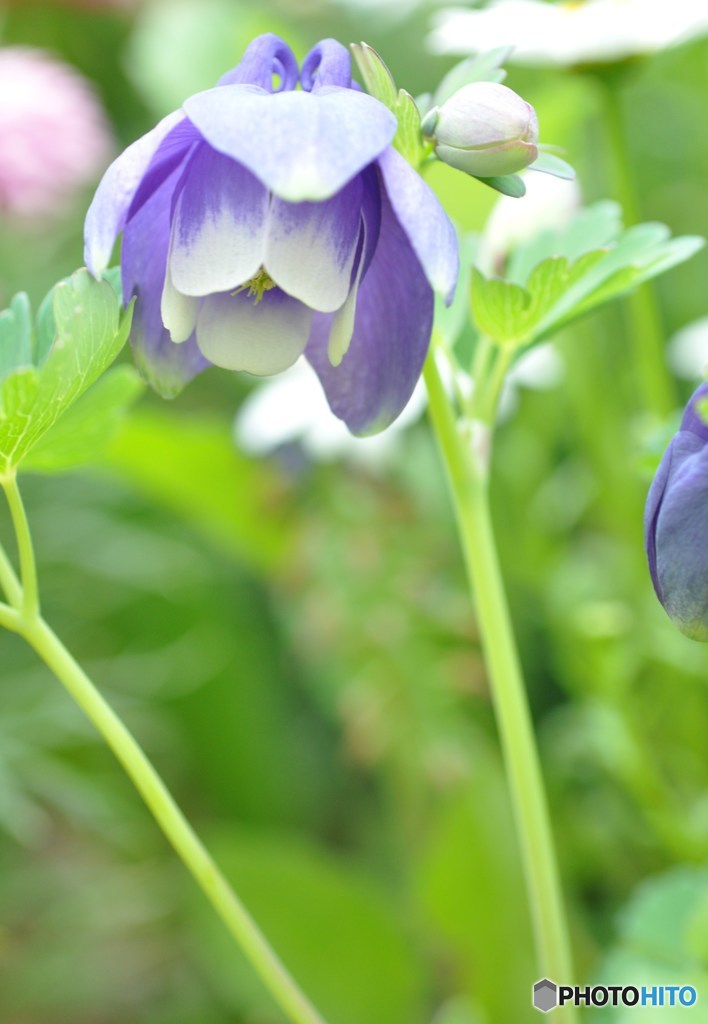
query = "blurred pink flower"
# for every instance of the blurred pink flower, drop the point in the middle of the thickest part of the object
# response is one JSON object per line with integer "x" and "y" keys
{"x": 55, "y": 136}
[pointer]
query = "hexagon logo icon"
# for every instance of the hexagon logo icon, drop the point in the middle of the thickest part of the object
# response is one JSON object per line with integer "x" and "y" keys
{"x": 545, "y": 995}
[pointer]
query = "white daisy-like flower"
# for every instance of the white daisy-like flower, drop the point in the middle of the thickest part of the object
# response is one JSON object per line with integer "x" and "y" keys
{"x": 566, "y": 34}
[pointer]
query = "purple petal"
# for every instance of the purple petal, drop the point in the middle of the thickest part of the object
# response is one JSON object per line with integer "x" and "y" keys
{"x": 679, "y": 530}
{"x": 328, "y": 63}
{"x": 651, "y": 513}
{"x": 394, "y": 318}
{"x": 342, "y": 328}
{"x": 166, "y": 366}
{"x": 266, "y": 56}
{"x": 108, "y": 212}
{"x": 173, "y": 151}
{"x": 219, "y": 229}
{"x": 424, "y": 221}
{"x": 262, "y": 337}
{"x": 301, "y": 145}
{"x": 311, "y": 247}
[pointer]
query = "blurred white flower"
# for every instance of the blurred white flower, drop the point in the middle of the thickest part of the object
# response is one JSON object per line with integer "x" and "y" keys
{"x": 55, "y": 137}
{"x": 549, "y": 204}
{"x": 291, "y": 408}
{"x": 594, "y": 31}
{"x": 542, "y": 368}
{"x": 687, "y": 351}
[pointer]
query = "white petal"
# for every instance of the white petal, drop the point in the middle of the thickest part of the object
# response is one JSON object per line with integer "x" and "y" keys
{"x": 261, "y": 338}
{"x": 179, "y": 312}
{"x": 218, "y": 232}
{"x": 311, "y": 247}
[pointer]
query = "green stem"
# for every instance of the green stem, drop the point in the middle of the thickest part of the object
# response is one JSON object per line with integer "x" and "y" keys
{"x": 9, "y": 618}
{"x": 25, "y": 619}
{"x": 467, "y": 478}
{"x": 28, "y": 569}
{"x": 9, "y": 581}
{"x": 644, "y": 314}
{"x": 492, "y": 389}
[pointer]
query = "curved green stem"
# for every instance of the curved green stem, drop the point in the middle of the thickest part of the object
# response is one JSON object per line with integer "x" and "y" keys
{"x": 9, "y": 581}
{"x": 467, "y": 477}
{"x": 26, "y": 620}
{"x": 28, "y": 569}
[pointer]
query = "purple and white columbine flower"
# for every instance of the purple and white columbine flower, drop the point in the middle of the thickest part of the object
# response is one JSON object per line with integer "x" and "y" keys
{"x": 260, "y": 224}
{"x": 676, "y": 523}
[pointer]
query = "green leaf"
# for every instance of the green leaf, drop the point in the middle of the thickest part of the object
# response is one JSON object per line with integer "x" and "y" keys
{"x": 483, "y": 68}
{"x": 16, "y": 342}
{"x": 87, "y": 335}
{"x": 592, "y": 228}
{"x": 377, "y": 78}
{"x": 499, "y": 308}
{"x": 549, "y": 163}
{"x": 508, "y": 184}
{"x": 409, "y": 137}
{"x": 538, "y": 298}
{"x": 380, "y": 84}
{"x": 81, "y": 435}
{"x": 663, "y": 940}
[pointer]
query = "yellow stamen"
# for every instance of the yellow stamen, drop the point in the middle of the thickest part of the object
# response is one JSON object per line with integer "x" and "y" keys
{"x": 259, "y": 284}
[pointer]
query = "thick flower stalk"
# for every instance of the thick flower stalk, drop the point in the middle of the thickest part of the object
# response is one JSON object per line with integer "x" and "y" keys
{"x": 676, "y": 522}
{"x": 262, "y": 224}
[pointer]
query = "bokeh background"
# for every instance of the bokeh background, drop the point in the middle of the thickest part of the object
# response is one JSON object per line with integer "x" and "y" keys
{"x": 289, "y": 633}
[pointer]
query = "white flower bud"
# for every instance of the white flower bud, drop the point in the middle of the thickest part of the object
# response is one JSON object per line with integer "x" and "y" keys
{"x": 486, "y": 130}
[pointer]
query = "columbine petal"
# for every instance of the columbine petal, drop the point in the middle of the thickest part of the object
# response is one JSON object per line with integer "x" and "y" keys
{"x": 261, "y": 337}
{"x": 328, "y": 63}
{"x": 107, "y": 214}
{"x": 311, "y": 247}
{"x": 266, "y": 56}
{"x": 675, "y": 534}
{"x": 218, "y": 234}
{"x": 167, "y": 367}
{"x": 394, "y": 317}
{"x": 179, "y": 312}
{"x": 302, "y": 146}
{"x": 675, "y": 522}
{"x": 424, "y": 221}
{"x": 173, "y": 151}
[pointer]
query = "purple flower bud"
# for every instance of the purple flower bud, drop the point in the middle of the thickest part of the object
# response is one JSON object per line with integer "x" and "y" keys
{"x": 261, "y": 222}
{"x": 486, "y": 130}
{"x": 676, "y": 523}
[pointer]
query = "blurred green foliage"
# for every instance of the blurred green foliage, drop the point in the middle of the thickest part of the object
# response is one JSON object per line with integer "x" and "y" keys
{"x": 293, "y": 642}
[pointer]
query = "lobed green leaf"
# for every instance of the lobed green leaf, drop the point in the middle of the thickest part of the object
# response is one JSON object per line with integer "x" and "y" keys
{"x": 82, "y": 433}
{"x": 380, "y": 84}
{"x": 555, "y": 279}
{"x": 77, "y": 338}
